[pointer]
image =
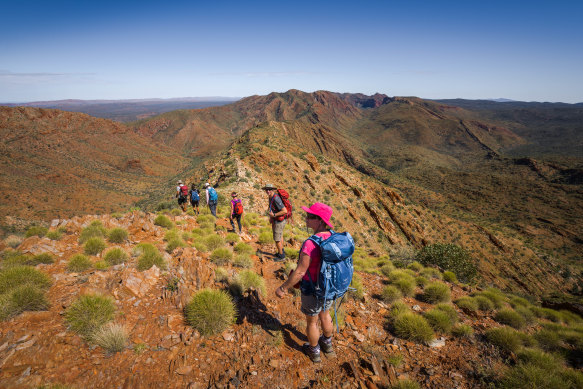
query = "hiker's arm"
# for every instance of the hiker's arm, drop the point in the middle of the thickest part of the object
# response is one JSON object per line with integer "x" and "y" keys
{"x": 295, "y": 276}
{"x": 280, "y": 213}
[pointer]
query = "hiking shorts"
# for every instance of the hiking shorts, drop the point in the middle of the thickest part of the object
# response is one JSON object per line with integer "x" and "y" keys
{"x": 277, "y": 228}
{"x": 311, "y": 306}
{"x": 181, "y": 200}
{"x": 194, "y": 203}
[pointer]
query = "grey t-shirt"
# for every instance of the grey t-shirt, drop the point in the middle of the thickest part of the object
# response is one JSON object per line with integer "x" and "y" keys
{"x": 276, "y": 204}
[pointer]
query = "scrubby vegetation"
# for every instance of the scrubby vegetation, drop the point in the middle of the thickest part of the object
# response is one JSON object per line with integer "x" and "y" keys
{"x": 117, "y": 235}
{"x": 78, "y": 263}
{"x": 210, "y": 311}
{"x": 88, "y": 313}
{"x": 94, "y": 246}
{"x": 149, "y": 256}
{"x": 449, "y": 257}
{"x": 22, "y": 288}
{"x": 115, "y": 256}
{"x": 247, "y": 280}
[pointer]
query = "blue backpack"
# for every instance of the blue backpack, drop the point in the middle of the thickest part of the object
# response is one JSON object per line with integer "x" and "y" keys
{"x": 194, "y": 195}
{"x": 213, "y": 194}
{"x": 336, "y": 268}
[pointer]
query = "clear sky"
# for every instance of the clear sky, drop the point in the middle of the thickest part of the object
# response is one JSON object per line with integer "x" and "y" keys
{"x": 522, "y": 50}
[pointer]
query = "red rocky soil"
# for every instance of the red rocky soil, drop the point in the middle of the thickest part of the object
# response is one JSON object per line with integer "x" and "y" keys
{"x": 261, "y": 350}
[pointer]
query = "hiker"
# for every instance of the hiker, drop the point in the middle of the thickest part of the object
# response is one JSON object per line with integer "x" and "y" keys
{"x": 211, "y": 198}
{"x": 277, "y": 217}
{"x": 182, "y": 195}
{"x": 307, "y": 270}
{"x": 194, "y": 198}
{"x": 236, "y": 211}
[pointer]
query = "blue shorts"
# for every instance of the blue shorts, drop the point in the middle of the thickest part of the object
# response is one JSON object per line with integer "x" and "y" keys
{"x": 311, "y": 306}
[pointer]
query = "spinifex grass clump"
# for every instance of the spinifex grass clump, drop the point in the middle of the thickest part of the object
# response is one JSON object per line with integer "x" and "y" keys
{"x": 213, "y": 242}
{"x": 243, "y": 248}
{"x": 78, "y": 263}
{"x": 391, "y": 294}
{"x": 36, "y": 230}
{"x": 16, "y": 258}
{"x": 506, "y": 338}
{"x": 210, "y": 311}
{"x": 243, "y": 260}
{"x": 247, "y": 280}
{"x": 449, "y": 257}
{"x": 221, "y": 256}
{"x": 467, "y": 303}
{"x": 439, "y": 320}
{"x": 94, "y": 246}
{"x": 462, "y": 331}
{"x": 356, "y": 283}
{"x": 495, "y": 296}
{"x": 174, "y": 243}
{"x": 413, "y": 327}
{"x": 265, "y": 237}
{"x": 510, "y": 317}
{"x": 94, "y": 230}
{"x": 117, "y": 235}
{"x": 163, "y": 221}
{"x": 436, "y": 292}
{"x": 149, "y": 256}
{"x": 22, "y": 288}
{"x": 111, "y": 337}
{"x": 115, "y": 256}
{"x": 232, "y": 238}
{"x": 221, "y": 274}
{"x": 88, "y": 313}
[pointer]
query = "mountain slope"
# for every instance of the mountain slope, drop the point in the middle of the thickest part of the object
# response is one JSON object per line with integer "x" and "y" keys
{"x": 59, "y": 164}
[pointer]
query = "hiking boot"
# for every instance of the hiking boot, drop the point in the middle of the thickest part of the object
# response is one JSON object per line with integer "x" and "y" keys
{"x": 326, "y": 345}
{"x": 312, "y": 352}
{"x": 279, "y": 257}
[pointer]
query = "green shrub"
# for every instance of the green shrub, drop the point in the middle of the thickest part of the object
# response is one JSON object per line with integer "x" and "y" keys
{"x": 94, "y": 246}
{"x": 398, "y": 308}
{"x": 210, "y": 311}
{"x": 45, "y": 258}
{"x": 221, "y": 274}
{"x": 13, "y": 241}
{"x": 163, "y": 221}
{"x": 16, "y": 276}
{"x": 246, "y": 280}
{"x": 213, "y": 242}
{"x": 484, "y": 303}
{"x": 439, "y": 320}
{"x": 265, "y": 237}
{"x": 117, "y": 235}
{"x": 540, "y": 358}
{"x": 208, "y": 218}
{"x": 413, "y": 327}
{"x": 569, "y": 318}
{"x": 243, "y": 260}
{"x": 115, "y": 256}
{"x": 495, "y": 296}
{"x": 16, "y": 258}
{"x": 523, "y": 376}
{"x": 201, "y": 247}
{"x": 406, "y": 285}
{"x": 88, "y": 313}
{"x": 387, "y": 269}
{"x": 421, "y": 281}
{"x": 24, "y": 297}
{"x": 449, "y": 311}
{"x": 243, "y": 248}
{"x": 505, "y": 338}
{"x": 509, "y": 317}
{"x": 356, "y": 283}
{"x": 36, "y": 230}
{"x": 173, "y": 244}
{"x": 341, "y": 315}
{"x": 462, "y": 331}
{"x": 390, "y": 294}
{"x": 292, "y": 253}
{"x": 415, "y": 266}
{"x": 449, "y": 257}
{"x": 395, "y": 360}
{"x": 149, "y": 256}
{"x": 430, "y": 273}
{"x": 221, "y": 256}
{"x": 526, "y": 314}
{"x": 436, "y": 292}
{"x": 176, "y": 212}
{"x": 54, "y": 235}
{"x": 111, "y": 337}
{"x": 289, "y": 266}
{"x": 450, "y": 276}
{"x": 516, "y": 301}
{"x": 101, "y": 265}
{"x": 78, "y": 263}
{"x": 467, "y": 303}
{"x": 401, "y": 273}
{"x": 548, "y": 340}
{"x": 232, "y": 238}
{"x": 94, "y": 230}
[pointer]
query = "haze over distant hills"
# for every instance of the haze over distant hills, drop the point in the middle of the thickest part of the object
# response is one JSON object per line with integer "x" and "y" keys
{"x": 130, "y": 109}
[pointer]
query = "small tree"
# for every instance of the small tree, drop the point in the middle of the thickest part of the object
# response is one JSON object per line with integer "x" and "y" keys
{"x": 449, "y": 257}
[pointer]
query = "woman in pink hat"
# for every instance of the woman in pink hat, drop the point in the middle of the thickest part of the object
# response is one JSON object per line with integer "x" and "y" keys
{"x": 318, "y": 219}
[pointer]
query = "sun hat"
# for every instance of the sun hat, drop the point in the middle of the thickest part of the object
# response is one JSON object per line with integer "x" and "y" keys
{"x": 207, "y": 184}
{"x": 180, "y": 181}
{"x": 322, "y": 210}
{"x": 269, "y": 186}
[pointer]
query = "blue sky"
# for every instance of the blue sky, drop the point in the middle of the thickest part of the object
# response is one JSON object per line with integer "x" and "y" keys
{"x": 531, "y": 51}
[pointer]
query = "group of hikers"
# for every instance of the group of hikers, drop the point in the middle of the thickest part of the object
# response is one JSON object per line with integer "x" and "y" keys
{"x": 324, "y": 267}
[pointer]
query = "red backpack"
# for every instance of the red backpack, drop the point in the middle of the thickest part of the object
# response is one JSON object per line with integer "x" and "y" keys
{"x": 238, "y": 207}
{"x": 285, "y": 199}
{"x": 184, "y": 190}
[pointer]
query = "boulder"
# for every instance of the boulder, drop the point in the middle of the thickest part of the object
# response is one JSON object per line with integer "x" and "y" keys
{"x": 139, "y": 283}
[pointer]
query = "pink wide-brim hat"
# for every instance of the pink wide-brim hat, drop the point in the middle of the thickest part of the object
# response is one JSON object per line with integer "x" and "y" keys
{"x": 322, "y": 210}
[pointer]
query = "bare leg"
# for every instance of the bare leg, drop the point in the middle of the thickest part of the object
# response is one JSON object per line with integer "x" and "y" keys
{"x": 327, "y": 326}
{"x": 312, "y": 330}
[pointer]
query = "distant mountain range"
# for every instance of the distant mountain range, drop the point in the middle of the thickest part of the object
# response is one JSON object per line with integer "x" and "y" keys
{"x": 128, "y": 110}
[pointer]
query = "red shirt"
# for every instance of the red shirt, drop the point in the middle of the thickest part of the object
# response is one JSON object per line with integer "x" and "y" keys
{"x": 312, "y": 249}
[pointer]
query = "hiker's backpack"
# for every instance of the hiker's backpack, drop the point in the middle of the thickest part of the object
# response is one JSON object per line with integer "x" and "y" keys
{"x": 287, "y": 204}
{"x": 336, "y": 268}
{"x": 213, "y": 194}
{"x": 237, "y": 207}
{"x": 194, "y": 196}
{"x": 183, "y": 192}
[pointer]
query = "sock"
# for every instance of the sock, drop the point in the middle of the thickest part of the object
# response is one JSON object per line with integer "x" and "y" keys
{"x": 326, "y": 339}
